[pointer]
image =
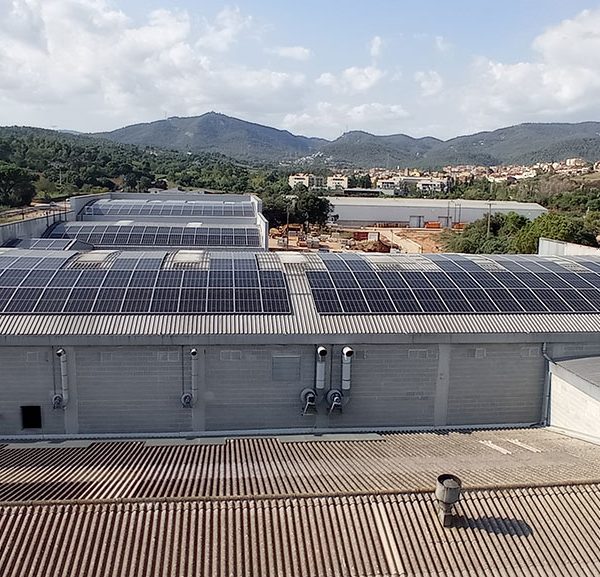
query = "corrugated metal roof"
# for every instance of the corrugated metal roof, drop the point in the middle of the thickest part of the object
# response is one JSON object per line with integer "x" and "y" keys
{"x": 319, "y": 508}
{"x": 525, "y": 532}
{"x": 280, "y": 467}
{"x": 304, "y": 320}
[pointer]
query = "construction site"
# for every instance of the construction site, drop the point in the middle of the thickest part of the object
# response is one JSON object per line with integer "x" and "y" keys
{"x": 363, "y": 239}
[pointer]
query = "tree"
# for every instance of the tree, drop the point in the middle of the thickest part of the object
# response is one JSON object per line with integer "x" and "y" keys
{"x": 144, "y": 183}
{"x": 275, "y": 208}
{"x": 16, "y": 185}
{"x": 312, "y": 208}
{"x": 556, "y": 227}
{"x": 476, "y": 240}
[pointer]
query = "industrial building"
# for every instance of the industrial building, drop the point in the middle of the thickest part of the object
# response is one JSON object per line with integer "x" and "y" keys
{"x": 131, "y": 221}
{"x": 416, "y": 212}
{"x": 159, "y": 404}
{"x": 174, "y": 220}
{"x": 110, "y": 342}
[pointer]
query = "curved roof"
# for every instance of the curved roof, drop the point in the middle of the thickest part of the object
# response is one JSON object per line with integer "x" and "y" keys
{"x": 269, "y": 294}
{"x": 130, "y": 234}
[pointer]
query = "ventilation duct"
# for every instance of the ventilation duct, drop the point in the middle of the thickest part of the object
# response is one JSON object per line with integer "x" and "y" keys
{"x": 320, "y": 378}
{"x": 60, "y": 401}
{"x": 347, "y": 353}
{"x": 334, "y": 401}
{"x": 308, "y": 398}
{"x": 194, "y": 383}
{"x": 447, "y": 494}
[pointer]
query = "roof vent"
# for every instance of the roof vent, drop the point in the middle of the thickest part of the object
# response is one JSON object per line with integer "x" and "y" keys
{"x": 447, "y": 494}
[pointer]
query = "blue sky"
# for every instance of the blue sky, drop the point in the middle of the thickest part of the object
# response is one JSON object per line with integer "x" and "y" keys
{"x": 319, "y": 68}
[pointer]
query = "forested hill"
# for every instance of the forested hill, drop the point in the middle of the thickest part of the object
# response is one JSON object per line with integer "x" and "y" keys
{"x": 218, "y": 133}
{"x": 69, "y": 163}
{"x": 249, "y": 142}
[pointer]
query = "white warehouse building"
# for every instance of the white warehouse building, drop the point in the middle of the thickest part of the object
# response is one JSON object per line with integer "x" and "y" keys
{"x": 415, "y": 212}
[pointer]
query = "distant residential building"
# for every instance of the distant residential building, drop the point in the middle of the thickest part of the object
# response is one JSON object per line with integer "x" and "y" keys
{"x": 431, "y": 185}
{"x": 388, "y": 183}
{"x": 337, "y": 182}
{"x": 311, "y": 181}
{"x": 575, "y": 162}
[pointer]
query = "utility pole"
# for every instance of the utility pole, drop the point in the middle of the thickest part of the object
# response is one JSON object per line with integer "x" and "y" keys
{"x": 287, "y": 224}
{"x": 489, "y": 219}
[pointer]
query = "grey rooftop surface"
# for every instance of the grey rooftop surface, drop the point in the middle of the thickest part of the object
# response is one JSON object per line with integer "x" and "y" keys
{"x": 286, "y": 466}
{"x": 588, "y": 368}
{"x": 301, "y": 507}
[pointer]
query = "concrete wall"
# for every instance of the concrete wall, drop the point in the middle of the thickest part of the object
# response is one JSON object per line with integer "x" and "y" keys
{"x": 574, "y": 404}
{"x": 547, "y": 247}
{"x": 492, "y": 384}
{"x": 364, "y": 212}
{"x": 257, "y": 387}
{"x": 32, "y": 227}
{"x": 392, "y": 385}
{"x": 129, "y": 389}
{"x": 29, "y": 376}
{"x": 137, "y": 389}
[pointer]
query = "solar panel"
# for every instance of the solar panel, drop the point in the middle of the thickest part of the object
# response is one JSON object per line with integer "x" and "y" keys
{"x": 131, "y": 235}
{"x": 275, "y": 300}
{"x": 327, "y": 301}
{"x": 353, "y": 301}
{"x": 81, "y": 300}
{"x": 379, "y": 301}
{"x": 404, "y": 300}
{"x": 247, "y": 300}
{"x": 454, "y": 284}
{"x": 344, "y": 280}
{"x": 109, "y": 300}
{"x": 318, "y": 279}
{"x": 143, "y": 283}
{"x": 24, "y": 300}
{"x": 52, "y": 300}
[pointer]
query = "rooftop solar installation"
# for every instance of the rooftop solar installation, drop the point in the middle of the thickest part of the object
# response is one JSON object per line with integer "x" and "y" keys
{"x": 189, "y": 208}
{"x": 454, "y": 284}
{"x": 64, "y": 243}
{"x": 132, "y": 235}
{"x": 139, "y": 283}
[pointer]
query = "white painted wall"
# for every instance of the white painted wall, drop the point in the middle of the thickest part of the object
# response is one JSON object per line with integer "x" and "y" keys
{"x": 575, "y": 405}
{"x": 548, "y": 247}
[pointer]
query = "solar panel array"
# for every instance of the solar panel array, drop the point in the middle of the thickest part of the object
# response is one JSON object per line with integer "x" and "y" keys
{"x": 132, "y": 235}
{"x": 140, "y": 284}
{"x": 62, "y": 243}
{"x": 455, "y": 284}
{"x": 168, "y": 208}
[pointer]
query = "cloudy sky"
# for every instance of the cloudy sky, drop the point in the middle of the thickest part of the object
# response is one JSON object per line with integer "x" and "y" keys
{"x": 314, "y": 67}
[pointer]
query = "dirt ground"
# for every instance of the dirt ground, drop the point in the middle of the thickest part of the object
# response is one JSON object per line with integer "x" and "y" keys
{"x": 420, "y": 240}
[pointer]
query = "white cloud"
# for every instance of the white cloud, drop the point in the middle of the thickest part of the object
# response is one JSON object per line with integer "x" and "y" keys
{"x": 222, "y": 33}
{"x": 299, "y": 53}
{"x": 430, "y": 82}
{"x": 353, "y": 79}
{"x": 442, "y": 44}
{"x": 332, "y": 119}
{"x": 82, "y": 64}
{"x": 562, "y": 81}
{"x": 375, "y": 46}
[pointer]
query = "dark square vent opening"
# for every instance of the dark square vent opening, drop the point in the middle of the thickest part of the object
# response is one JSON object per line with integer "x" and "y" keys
{"x": 31, "y": 417}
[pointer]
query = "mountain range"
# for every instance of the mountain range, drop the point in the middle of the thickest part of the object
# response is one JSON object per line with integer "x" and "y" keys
{"x": 254, "y": 143}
